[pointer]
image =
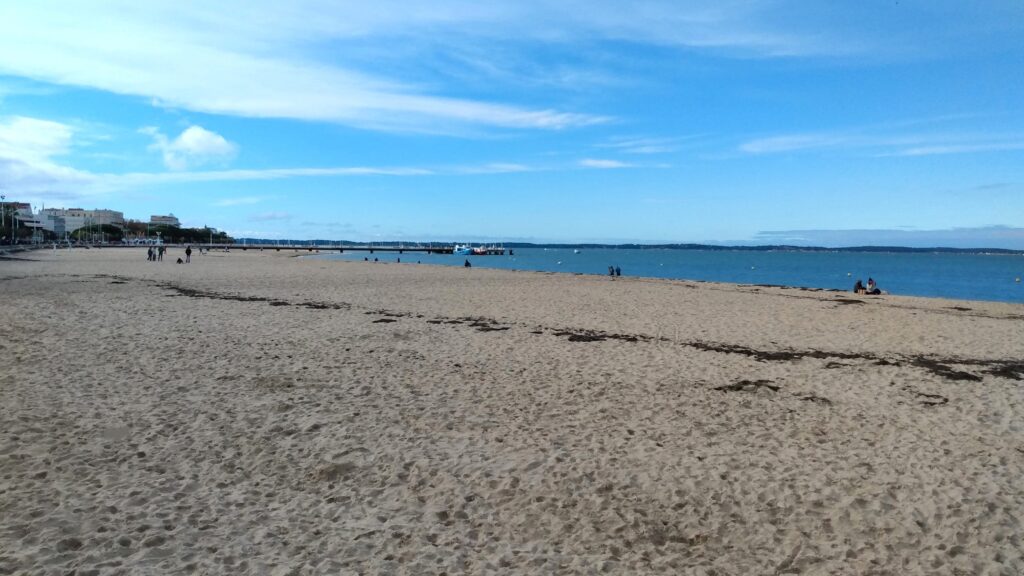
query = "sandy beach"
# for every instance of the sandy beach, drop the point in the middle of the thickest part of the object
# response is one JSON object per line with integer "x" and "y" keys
{"x": 259, "y": 413}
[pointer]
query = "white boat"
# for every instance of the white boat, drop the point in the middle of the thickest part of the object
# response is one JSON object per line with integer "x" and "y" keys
{"x": 462, "y": 250}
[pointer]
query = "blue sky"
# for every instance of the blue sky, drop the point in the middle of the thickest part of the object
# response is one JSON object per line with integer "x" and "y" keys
{"x": 827, "y": 123}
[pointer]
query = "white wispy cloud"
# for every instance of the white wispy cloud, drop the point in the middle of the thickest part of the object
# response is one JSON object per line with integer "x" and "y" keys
{"x": 632, "y": 145}
{"x": 253, "y": 59}
{"x": 33, "y": 140}
{"x": 357, "y": 63}
{"x": 131, "y": 179}
{"x": 883, "y": 142}
{"x": 792, "y": 142}
{"x": 242, "y": 201}
{"x": 493, "y": 168}
{"x": 31, "y": 147}
{"x": 195, "y": 146}
{"x": 270, "y": 216}
{"x": 940, "y": 149}
{"x": 604, "y": 163}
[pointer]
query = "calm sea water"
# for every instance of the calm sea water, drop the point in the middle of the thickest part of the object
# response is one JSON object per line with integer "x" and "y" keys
{"x": 961, "y": 276}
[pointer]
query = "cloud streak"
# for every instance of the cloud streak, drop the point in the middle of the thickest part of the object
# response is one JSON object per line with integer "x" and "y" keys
{"x": 28, "y": 168}
{"x": 270, "y": 216}
{"x": 880, "y": 142}
{"x": 33, "y": 140}
{"x": 992, "y": 146}
{"x": 232, "y": 61}
{"x": 242, "y": 201}
{"x": 316, "y": 60}
{"x": 644, "y": 145}
{"x": 604, "y": 164}
{"x": 28, "y": 147}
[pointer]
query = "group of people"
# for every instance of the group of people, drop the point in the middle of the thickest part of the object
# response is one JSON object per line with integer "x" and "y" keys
{"x": 871, "y": 288}
{"x": 156, "y": 254}
{"x": 614, "y": 271}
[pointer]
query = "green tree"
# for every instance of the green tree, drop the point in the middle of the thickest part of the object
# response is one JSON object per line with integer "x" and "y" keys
{"x": 101, "y": 233}
{"x": 176, "y": 235}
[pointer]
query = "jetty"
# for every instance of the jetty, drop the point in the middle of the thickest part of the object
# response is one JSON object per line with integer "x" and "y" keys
{"x": 294, "y": 247}
{"x": 369, "y": 248}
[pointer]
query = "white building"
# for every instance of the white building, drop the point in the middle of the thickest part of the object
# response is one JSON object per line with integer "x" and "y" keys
{"x": 67, "y": 220}
{"x": 18, "y": 214}
{"x": 169, "y": 220}
{"x": 23, "y": 213}
{"x": 21, "y": 210}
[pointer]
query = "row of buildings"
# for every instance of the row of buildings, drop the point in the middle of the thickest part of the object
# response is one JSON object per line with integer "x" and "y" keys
{"x": 63, "y": 221}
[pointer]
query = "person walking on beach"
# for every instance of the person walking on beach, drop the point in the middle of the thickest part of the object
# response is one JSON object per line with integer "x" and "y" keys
{"x": 149, "y": 254}
{"x": 611, "y": 271}
{"x": 618, "y": 271}
{"x": 188, "y": 255}
{"x": 160, "y": 253}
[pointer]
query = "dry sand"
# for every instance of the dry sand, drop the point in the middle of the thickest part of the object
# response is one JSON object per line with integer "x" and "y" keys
{"x": 255, "y": 413}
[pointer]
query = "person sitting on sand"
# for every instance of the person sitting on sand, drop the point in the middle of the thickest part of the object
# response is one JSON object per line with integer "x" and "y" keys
{"x": 467, "y": 264}
{"x": 858, "y": 288}
{"x": 872, "y": 288}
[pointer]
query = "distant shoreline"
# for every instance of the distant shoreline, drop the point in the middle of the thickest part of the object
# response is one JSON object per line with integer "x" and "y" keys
{"x": 703, "y": 247}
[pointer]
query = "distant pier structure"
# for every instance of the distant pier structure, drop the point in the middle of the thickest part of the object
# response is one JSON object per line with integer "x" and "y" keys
{"x": 370, "y": 248}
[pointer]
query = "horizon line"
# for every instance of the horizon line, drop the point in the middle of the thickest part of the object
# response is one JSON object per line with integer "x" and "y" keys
{"x": 670, "y": 245}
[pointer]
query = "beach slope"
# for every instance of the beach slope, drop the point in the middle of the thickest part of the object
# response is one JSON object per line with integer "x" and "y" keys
{"x": 257, "y": 413}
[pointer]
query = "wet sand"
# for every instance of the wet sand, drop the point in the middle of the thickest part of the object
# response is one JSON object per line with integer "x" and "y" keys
{"x": 256, "y": 413}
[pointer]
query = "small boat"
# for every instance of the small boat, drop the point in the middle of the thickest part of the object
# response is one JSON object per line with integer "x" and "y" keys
{"x": 462, "y": 250}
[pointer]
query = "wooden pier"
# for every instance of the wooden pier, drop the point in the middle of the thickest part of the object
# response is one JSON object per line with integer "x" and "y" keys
{"x": 341, "y": 249}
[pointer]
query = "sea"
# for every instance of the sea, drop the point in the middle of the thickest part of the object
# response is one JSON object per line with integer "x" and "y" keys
{"x": 993, "y": 277}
